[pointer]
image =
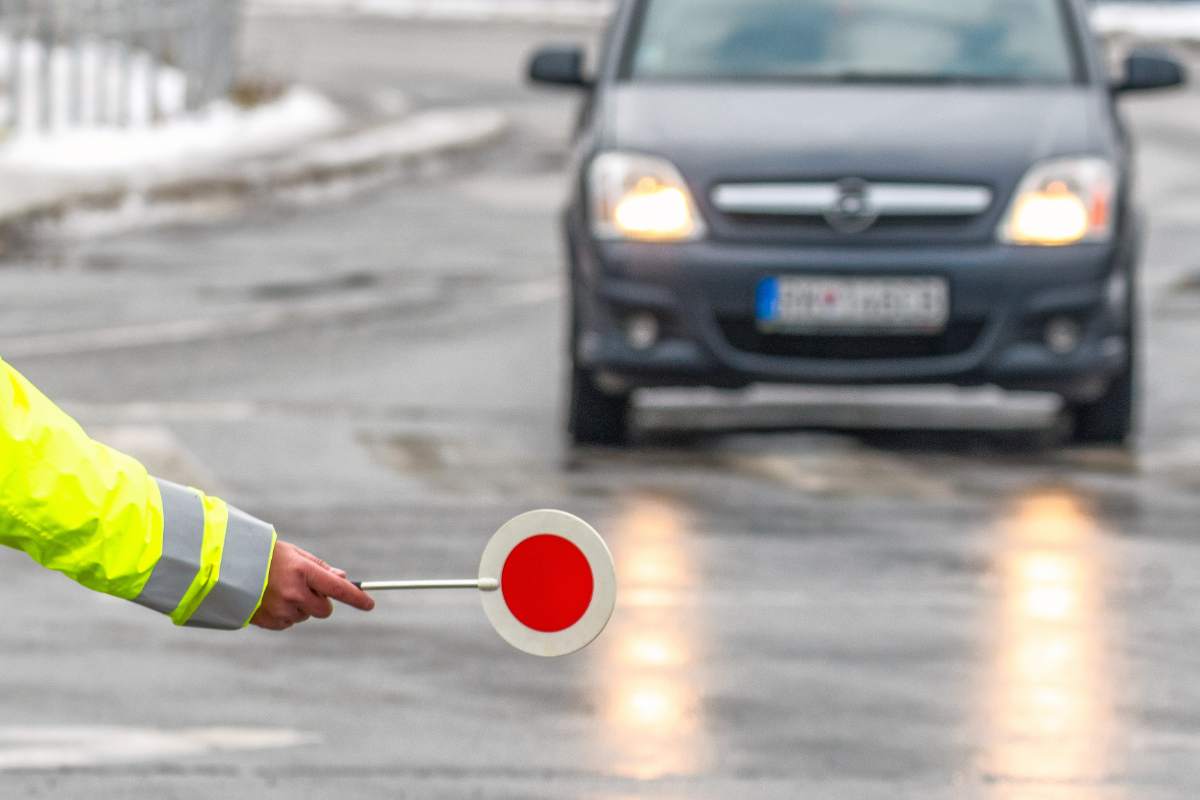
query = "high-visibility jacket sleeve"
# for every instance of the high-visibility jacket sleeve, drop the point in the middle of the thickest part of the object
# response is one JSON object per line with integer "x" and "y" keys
{"x": 95, "y": 515}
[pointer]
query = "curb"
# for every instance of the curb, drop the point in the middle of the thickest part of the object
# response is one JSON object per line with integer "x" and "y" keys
{"x": 1189, "y": 42}
{"x": 390, "y": 148}
{"x": 426, "y": 135}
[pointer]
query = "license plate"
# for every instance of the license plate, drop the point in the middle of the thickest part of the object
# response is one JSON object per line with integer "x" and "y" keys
{"x": 853, "y": 305}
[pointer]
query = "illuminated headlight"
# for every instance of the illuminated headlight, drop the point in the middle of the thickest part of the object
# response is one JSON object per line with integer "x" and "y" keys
{"x": 1062, "y": 202}
{"x": 641, "y": 197}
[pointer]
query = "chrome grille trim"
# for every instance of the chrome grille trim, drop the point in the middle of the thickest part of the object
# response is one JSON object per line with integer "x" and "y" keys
{"x": 882, "y": 199}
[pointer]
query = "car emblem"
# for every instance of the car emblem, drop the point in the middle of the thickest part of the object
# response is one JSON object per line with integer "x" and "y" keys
{"x": 851, "y": 211}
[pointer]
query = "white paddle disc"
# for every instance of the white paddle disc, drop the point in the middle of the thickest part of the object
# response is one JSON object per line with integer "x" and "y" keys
{"x": 557, "y": 584}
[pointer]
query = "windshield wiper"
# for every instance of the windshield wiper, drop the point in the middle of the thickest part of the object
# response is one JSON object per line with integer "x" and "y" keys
{"x": 918, "y": 79}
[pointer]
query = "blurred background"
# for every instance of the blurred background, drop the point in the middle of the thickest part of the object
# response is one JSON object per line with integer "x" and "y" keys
{"x": 307, "y": 254}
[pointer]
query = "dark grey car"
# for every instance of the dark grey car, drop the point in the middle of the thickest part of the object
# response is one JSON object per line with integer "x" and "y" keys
{"x": 852, "y": 192}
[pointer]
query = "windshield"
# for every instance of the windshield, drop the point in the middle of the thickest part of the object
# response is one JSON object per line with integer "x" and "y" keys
{"x": 866, "y": 40}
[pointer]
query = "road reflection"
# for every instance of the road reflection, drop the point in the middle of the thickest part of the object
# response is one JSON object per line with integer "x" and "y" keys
{"x": 649, "y": 668}
{"x": 1050, "y": 703}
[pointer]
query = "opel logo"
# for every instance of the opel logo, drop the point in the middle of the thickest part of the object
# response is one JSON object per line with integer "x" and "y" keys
{"x": 851, "y": 211}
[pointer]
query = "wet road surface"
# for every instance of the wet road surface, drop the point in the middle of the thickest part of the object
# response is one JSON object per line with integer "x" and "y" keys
{"x": 807, "y": 612}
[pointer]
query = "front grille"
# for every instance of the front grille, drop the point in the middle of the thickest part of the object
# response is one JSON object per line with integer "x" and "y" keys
{"x": 743, "y": 334}
{"x": 765, "y": 229}
{"x": 767, "y": 223}
{"x": 853, "y": 209}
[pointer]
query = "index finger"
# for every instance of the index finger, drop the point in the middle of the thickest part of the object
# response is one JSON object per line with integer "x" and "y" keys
{"x": 328, "y": 584}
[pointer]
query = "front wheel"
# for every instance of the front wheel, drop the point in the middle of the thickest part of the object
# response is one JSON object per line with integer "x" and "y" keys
{"x": 594, "y": 416}
{"x": 1110, "y": 419}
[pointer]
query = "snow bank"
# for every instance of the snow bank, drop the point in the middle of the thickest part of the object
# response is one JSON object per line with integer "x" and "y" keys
{"x": 218, "y": 134}
{"x": 71, "y": 100}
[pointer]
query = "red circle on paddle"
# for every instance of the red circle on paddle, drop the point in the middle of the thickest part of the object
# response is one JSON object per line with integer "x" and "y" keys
{"x": 547, "y": 583}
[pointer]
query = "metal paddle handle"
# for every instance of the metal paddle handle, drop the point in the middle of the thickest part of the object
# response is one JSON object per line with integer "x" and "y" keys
{"x": 482, "y": 584}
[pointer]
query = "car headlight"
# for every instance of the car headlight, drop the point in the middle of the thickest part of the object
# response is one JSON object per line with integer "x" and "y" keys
{"x": 1061, "y": 202}
{"x": 641, "y": 197}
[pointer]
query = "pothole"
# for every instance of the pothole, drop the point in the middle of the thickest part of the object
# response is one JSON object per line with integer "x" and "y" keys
{"x": 405, "y": 452}
{"x": 1189, "y": 283}
{"x": 285, "y": 290}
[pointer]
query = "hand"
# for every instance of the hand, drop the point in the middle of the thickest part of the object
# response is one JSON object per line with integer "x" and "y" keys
{"x": 300, "y": 586}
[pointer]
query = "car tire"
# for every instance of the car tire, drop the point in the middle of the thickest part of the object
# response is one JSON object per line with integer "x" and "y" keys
{"x": 595, "y": 417}
{"x": 1110, "y": 419}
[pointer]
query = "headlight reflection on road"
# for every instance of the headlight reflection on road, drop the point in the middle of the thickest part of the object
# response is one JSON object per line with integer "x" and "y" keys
{"x": 655, "y": 650}
{"x": 652, "y": 722}
{"x": 1050, "y": 699}
{"x": 650, "y": 554}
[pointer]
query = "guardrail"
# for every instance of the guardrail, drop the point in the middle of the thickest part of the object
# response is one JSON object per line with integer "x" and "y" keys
{"x": 77, "y": 63}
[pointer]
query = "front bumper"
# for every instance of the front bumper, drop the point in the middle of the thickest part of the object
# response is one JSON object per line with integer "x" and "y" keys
{"x": 1001, "y": 299}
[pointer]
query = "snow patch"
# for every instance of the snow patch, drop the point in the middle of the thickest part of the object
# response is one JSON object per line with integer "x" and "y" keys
{"x": 540, "y": 10}
{"x": 1170, "y": 21}
{"x": 75, "y": 746}
{"x": 220, "y": 133}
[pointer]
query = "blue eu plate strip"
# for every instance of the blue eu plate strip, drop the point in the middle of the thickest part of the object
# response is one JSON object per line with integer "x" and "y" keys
{"x": 767, "y": 301}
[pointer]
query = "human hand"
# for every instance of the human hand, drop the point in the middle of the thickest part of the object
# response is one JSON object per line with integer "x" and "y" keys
{"x": 299, "y": 586}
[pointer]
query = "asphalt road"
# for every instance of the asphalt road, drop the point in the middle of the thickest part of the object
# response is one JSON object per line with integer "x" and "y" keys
{"x": 815, "y": 612}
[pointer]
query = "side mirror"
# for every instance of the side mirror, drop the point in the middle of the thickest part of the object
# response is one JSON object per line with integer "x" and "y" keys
{"x": 1148, "y": 69}
{"x": 559, "y": 66}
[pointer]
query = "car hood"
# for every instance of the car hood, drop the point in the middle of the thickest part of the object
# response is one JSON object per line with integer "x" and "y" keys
{"x": 986, "y": 134}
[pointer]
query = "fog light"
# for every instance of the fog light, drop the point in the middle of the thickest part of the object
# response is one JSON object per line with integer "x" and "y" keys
{"x": 641, "y": 331}
{"x": 1063, "y": 335}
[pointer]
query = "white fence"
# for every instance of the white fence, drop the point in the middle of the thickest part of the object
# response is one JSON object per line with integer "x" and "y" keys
{"x": 111, "y": 63}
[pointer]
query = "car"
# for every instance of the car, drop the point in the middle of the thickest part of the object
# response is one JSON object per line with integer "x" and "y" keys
{"x": 852, "y": 192}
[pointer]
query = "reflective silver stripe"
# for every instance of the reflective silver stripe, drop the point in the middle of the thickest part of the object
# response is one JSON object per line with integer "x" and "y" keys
{"x": 183, "y": 538}
{"x": 243, "y": 570}
{"x": 886, "y": 199}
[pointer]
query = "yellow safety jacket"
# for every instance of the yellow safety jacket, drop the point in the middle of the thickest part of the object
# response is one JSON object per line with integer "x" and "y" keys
{"x": 95, "y": 515}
